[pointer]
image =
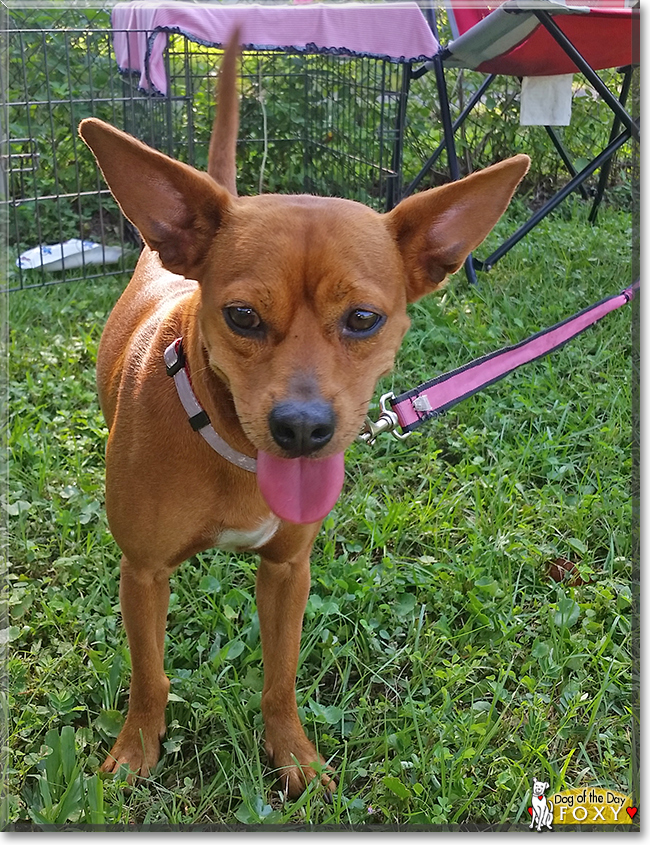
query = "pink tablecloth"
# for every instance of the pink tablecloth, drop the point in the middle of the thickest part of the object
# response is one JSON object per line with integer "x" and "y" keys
{"x": 394, "y": 31}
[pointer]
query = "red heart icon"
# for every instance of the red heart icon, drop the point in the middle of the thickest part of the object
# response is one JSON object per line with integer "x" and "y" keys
{"x": 530, "y": 810}
{"x": 631, "y": 811}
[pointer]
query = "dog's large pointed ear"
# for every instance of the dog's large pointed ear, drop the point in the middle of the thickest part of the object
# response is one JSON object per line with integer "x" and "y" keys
{"x": 176, "y": 209}
{"x": 437, "y": 229}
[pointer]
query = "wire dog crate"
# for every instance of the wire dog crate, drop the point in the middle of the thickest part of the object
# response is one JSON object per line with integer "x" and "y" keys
{"x": 322, "y": 124}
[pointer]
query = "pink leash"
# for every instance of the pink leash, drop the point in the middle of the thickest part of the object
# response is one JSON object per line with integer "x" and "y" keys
{"x": 431, "y": 399}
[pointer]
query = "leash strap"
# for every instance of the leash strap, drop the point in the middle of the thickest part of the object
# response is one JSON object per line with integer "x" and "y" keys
{"x": 198, "y": 419}
{"x": 434, "y": 397}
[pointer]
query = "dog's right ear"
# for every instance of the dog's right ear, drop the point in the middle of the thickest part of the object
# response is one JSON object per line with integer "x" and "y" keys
{"x": 176, "y": 209}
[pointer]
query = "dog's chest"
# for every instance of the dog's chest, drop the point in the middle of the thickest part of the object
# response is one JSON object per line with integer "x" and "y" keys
{"x": 255, "y": 538}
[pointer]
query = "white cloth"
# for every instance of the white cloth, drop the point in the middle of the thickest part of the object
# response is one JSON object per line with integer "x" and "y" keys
{"x": 546, "y": 100}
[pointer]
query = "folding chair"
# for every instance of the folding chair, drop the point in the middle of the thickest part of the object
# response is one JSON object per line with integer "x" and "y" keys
{"x": 538, "y": 38}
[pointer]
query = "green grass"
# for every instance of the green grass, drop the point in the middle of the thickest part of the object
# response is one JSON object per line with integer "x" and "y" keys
{"x": 441, "y": 668}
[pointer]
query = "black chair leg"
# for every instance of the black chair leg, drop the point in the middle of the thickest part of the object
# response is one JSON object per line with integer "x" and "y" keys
{"x": 606, "y": 168}
{"x": 564, "y": 155}
{"x": 448, "y": 133}
{"x": 433, "y": 158}
{"x": 470, "y": 269}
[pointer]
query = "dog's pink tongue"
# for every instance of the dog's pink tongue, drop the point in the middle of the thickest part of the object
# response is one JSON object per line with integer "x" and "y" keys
{"x": 301, "y": 490}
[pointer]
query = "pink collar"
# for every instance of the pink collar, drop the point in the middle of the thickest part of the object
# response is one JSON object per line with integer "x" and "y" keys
{"x": 199, "y": 420}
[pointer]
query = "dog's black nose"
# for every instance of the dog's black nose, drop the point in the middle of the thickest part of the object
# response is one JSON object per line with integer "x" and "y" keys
{"x": 302, "y": 427}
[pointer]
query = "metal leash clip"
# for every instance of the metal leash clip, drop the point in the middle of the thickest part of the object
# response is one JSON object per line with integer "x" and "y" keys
{"x": 387, "y": 422}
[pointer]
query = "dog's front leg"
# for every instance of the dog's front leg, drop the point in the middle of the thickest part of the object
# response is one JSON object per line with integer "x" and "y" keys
{"x": 282, "y": 592}
{"x": 144, "y": 599}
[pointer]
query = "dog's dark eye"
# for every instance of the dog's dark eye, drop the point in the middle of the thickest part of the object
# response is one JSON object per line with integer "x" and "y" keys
{"x": 362, "y": 322}
{"x": 243, "y": 319}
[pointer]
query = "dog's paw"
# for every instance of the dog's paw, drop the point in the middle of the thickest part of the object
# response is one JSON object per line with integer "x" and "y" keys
{"x": 137, "y": 749}
{"x": 297, "y": 763}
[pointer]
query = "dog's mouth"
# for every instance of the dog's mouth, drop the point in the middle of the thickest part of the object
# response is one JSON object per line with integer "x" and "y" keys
{"x": 302, "y": 490}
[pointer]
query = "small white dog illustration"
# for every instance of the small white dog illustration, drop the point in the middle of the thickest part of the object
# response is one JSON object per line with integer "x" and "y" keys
{"x": 542, "y": 809}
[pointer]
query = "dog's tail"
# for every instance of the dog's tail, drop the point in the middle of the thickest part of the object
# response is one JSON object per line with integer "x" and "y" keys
{"x": 222, "y": 165}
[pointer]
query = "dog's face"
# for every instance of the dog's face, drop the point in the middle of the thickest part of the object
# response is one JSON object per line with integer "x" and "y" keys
{"x": 539, "y": 788}
{"x": 303, "y": 308}
{"x": 303, "y": 299}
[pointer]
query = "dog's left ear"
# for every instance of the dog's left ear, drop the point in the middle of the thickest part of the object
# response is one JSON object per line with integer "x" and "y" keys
{"x": 437, "y": 229}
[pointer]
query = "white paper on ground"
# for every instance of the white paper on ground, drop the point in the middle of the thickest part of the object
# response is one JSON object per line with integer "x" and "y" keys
{"x": 68, "y": 255}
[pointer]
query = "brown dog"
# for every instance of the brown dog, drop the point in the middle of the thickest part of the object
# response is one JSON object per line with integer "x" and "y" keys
{"x": 289, "y": 309}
